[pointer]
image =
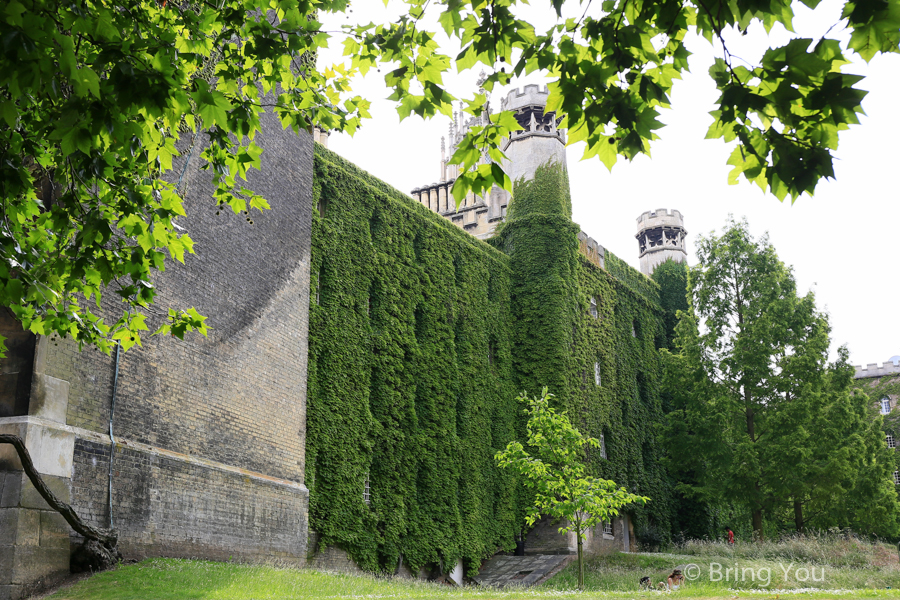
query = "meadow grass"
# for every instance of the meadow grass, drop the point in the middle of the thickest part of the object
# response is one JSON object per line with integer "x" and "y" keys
{"x": 813, "y": 562}
{"x": 847, "y": 569}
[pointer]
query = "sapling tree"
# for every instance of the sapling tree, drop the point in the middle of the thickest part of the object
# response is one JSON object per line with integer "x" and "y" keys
{"x": 553, "y": 467}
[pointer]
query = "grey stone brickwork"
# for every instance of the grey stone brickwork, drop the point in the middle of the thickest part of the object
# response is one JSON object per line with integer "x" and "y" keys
{"x": 158, "y": 499}
{"x": 545, "y": 538}
{"x": 210, "y": 431}
{"x": 330, "y": 558}
{"x": 34, "y": 540}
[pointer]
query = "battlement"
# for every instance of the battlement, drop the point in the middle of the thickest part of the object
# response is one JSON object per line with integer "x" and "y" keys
{"x": 874, "y": 370}
{"x": 529, "y": 95}
{"x": 475, "y": 214}
{"x": 660, "y": 217}
{"x": 660, "y": 237}
{"x": 591, "y": 250}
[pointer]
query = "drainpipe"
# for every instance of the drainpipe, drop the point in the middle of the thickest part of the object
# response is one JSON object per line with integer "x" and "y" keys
{"x": 112, "y": 439}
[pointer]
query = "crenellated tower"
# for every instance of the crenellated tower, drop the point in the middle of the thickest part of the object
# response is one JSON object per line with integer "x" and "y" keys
{"x": 539, "y": 142}
{"x": 661, "y": 236}
{"x": 542, "y": 243}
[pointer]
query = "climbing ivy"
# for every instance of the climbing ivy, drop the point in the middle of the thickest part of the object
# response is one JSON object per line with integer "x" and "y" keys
{"x": 631, "y": 278}
{"x": 422, "y": 336}
{"x": 410, "y": 380}
{"x": 671, "y": 276}
{"x": 542, "y": 244}
{"x": 560, "y": 344}
{"x": 623, "y": 341}
{"x": 878, "y": 388}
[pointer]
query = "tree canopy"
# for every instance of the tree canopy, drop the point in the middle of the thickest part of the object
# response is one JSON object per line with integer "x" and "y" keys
{"x": 97, "y": 98}
{"x": 759, "y": 415}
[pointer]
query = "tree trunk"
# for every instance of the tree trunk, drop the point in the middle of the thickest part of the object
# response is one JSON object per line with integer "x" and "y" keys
{"x": 798, "y": 516}
{"x": 580, "y": 564}
{"x": 758, "y": 525}
{"x": 103, "y": 536}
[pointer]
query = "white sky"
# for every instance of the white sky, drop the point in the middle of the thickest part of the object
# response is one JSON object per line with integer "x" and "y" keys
{"x": 842, "y": 243}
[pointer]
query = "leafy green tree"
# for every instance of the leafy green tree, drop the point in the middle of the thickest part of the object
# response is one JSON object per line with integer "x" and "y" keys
{"x": 830, "y": 459}
{"x": 760, "y": 417}
{"x": 97, "y": 99}
{"x": 614, "y": 66}
{"x": 554, "y": 469}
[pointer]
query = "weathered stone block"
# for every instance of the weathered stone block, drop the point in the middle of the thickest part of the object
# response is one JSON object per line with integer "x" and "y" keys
{"x": 51, "y": 448}
{"x": 30, "y": 498}
{"x": 34, "y": 564}
{"x": 6, "y": 564}
{"x": 19, "y": 526}
{"x": 49, "y": 398}
{"x": 54, "y": 530}
{"x": 11, "y": 592}
{"x": 12, "y": 488}
{"x": 9, "y": 525}
{"x": 9, "y": 458}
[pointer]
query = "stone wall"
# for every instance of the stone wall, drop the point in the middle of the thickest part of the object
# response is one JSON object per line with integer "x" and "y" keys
{"x": 166, "y": 504}
{"x": 545, "y": 538}
{"x": 210, "y": 432}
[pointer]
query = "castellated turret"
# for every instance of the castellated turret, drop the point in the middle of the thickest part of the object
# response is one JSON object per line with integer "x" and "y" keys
{"x": 540, "y": 142}
{"x": 660, "y": 236}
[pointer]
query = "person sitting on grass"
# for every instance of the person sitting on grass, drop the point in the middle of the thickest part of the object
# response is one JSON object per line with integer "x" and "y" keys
{"x": 646, "y": 583}
{"x": 675, "y": 580}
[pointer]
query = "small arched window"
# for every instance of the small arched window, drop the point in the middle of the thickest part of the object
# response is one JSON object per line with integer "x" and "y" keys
{"x": 885, "y": 406}
{"x": 597, "y": 374}
{"x": 594, "y": 312}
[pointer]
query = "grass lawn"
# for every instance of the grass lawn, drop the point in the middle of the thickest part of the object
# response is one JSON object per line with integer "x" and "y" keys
{"x": 613, "y": 576}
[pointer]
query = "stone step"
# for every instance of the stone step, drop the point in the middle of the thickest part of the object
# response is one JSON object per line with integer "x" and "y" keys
{"x": 521, "y": 571}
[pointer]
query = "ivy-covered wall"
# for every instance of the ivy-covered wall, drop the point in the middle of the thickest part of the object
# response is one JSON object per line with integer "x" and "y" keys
{"x": 421, "y": 337}
{"x": 410, "y": 379}
{"x": 622, "y": 342}
{"x": 884, "y": 387}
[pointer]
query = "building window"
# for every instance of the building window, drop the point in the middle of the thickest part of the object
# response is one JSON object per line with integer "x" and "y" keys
{"x": 890, "y": 441}
{"x": 367, "y": 492}
{"x": 602, "y": 446}
{"x": 885, "y": 406}
{"x": 634, "y": 329}
{"x": 896, "y": 477}
{"x": 594, "y": 312}
{"x": 597, "y": 373}
{"x": 607, "y": 528}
